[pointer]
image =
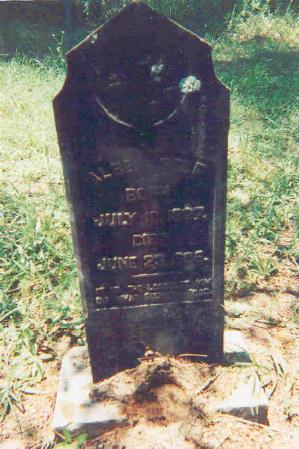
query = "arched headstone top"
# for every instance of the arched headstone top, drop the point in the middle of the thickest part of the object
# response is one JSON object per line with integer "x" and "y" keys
{"x": 140, "y": 68}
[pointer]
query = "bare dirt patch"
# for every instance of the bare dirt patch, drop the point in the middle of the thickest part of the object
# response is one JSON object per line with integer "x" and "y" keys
{"x": 170, "y": 402}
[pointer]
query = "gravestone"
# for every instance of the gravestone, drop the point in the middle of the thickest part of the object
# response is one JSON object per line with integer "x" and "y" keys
{"x": 142, "y": 123}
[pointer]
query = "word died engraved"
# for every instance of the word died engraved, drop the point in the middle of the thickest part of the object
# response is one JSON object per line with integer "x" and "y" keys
{"x": 149, "y": 239}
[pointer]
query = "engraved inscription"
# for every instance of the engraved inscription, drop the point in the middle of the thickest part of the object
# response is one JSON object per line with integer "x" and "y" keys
{"x": 118, "y": 263}
{"x": 116, "y": 219}
{"x": 134, "y": 194}
{"x": 152, "y": 292}
{"x": 149, "y": 239}
{"x": 188, "y": 260}
{"x": 151, "y": 217}
{"x": 158, "y": 232}
{"x": 116, "y": 169}
{"x": 123, "y": 167}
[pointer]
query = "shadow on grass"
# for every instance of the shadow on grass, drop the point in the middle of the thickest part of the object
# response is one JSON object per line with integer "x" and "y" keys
{"x": 36, "y": 41}
{"x": 262, "y": 72}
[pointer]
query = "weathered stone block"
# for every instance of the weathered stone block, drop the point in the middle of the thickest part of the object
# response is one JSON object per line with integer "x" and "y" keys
{"x": 142, "y": 123}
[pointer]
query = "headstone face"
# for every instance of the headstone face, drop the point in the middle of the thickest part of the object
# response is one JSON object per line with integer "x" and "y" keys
{"x": 142, "y": 123}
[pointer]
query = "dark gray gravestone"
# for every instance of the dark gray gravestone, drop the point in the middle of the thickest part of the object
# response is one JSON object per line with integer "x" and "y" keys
{"x": 142, "y": 123}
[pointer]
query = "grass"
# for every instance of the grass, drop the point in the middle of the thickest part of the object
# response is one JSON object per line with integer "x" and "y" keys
{"x": 258, "y": 59}
{"x": 39, "y": 295}
{"x": 259, "y": 62}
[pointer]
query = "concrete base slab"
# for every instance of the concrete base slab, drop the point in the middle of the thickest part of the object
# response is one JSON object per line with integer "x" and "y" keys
{"x": 78, "y": 410}
{"x": 75, "y": 411}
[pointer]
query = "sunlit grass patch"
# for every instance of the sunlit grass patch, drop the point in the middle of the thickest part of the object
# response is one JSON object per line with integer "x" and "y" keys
{"x": 258, "y": 59}
{"x": 282, "y": 28}
{"x": 39, "y": 290}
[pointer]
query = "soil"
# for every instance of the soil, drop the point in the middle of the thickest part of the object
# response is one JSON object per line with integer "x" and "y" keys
{"x": 171, "y": 402}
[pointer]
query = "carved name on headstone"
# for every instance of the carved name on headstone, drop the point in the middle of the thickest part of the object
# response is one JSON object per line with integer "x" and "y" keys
{"x": 142, "y": 123}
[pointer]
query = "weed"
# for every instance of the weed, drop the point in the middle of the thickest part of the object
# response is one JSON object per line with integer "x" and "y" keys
{"x": 69, "y": 443}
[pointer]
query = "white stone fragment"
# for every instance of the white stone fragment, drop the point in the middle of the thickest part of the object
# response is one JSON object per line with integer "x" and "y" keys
{"x": 235, "y": 350}
{"x": 248, "y": 401}
{"x": 234, "y": 341}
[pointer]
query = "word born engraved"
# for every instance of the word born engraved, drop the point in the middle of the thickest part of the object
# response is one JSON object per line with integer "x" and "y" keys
{"x": 134, "y": 194}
